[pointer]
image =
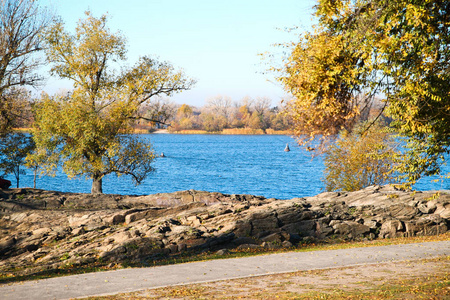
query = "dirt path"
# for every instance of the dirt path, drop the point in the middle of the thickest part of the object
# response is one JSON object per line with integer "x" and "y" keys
{"x": 131, "y": 280}
{"x": 357, "y": 280}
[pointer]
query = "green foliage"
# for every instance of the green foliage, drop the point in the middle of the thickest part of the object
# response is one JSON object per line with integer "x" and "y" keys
{"x": 14, "y": 148}
{"x": 398, "y": 49}
{"x": 84, "y": 130}
{"x": 359, "y": 159}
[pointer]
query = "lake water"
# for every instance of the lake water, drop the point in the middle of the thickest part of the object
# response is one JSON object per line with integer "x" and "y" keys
{"x": 231, "y": 164}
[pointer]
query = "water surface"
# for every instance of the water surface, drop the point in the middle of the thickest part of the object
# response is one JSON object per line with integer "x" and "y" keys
{"x": 231, "y": 164}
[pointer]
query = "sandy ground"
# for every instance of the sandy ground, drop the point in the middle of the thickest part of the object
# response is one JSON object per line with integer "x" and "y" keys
{"x": 365, "y": 277}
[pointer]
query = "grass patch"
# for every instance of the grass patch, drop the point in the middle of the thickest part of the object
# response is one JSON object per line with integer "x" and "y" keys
{"x": 65, "y": 270}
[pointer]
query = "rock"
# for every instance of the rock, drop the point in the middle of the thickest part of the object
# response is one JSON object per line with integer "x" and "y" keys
{"x": 121, "y": 237}
{"x": 403, "y": 211}
{"x": 114, "y": 220}
{"x": 273, "y": 238}
{"x": 222, "y": 239}
{"x": 245, "y": 240}
{"x": 182, "y": 247}
{"x": 443, "y": 209}
{"x": 136, "y": 215}
{"x": 351, "y": 229}
{"x": 263, "y": 221}
{"x": 194, "y": 220}
{"x": 302, "y": 228}
{"x": 172, "y": 248}
{"x": 31, "y": 247}
{"x": 177, "y": 198}
{"x": 286, "y": 244}
{"x": 76, "y": 221}
{"x": 424, "y": 208}
{"x": 78, "y": 231}
{"x": 47, "y": 230}
{"x": 6, "y": 244}
{"x": 222, "y": 252}
{"x": 191, "y": 243}
{"x": 18, "y": 217}
{"x": 248, "y": 247}
{"x": 391, "y": 229}
{"x": 41, "y": 231}
{"x": 295, "y": 216}
{"x": 242, "y": 228}
{"x": 372, "y": 224}
{"x": 322, "y": 227}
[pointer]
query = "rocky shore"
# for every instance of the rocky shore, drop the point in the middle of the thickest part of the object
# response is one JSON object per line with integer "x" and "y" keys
{"x": 42, "y": 230}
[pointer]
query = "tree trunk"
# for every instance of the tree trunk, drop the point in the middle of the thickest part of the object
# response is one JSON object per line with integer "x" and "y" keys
{"x": 97, "y": 184}
{"x": 34, "y": 178}
{"x": 17, "y": 176}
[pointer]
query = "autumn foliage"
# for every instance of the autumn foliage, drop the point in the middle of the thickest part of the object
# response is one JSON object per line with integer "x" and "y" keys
{"x": 363, "y": 157}
{"x": 360, "y": 50}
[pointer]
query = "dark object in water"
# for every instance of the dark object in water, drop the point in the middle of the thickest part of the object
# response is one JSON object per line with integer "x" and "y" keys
{"x": 286, "y": 149}
{"x": 4, "y": 184}
{"x": 162, "y": 155}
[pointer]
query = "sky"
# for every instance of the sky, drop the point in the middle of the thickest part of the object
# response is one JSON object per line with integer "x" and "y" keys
{"x": 215, "y": 42}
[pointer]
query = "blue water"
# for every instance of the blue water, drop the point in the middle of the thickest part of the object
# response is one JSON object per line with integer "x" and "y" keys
{"x": 231, "y": 164}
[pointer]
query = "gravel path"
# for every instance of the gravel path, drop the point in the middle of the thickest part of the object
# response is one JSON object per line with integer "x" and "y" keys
{"x": 128, "y": 280}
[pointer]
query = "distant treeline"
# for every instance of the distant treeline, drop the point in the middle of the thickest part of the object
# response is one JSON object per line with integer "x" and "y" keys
{"x": 220, "y": 114}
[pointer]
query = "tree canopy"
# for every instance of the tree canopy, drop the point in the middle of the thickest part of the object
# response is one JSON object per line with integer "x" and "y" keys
{"x": 398, "y": 50}
{"x": 21, "y": 25}
{"x": 85, "y": 128}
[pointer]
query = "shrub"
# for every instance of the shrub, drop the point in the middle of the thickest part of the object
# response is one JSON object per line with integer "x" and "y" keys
{"x": 360, "y": 158}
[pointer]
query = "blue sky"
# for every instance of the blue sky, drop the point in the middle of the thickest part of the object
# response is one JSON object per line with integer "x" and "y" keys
{"x": 215, "y": 42}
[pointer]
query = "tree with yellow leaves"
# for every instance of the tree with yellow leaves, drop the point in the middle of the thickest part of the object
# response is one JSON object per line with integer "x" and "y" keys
{"x": 359, "y": 49}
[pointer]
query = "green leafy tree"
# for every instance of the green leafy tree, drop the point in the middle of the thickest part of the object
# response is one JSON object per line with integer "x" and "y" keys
{"x": 14, "y": 148}
{"x": 359, "y": 49}
{"x": 85, "y": 130}
{"x": 360, "y": 158}
{"x": 36, "y": 162}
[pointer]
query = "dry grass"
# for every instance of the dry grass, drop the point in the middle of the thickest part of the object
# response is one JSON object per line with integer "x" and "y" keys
{"x": 279, "y": 132}
{"x": 190, "y": 131}
{"x": 248, "y": 131}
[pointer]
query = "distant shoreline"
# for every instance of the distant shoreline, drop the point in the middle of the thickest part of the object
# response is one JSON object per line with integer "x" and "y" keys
{"x": 230, "y": 131}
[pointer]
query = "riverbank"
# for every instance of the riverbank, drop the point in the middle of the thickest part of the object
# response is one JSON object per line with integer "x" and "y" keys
{"x": 47, "y": 230}
{"x": 229, "y": 131}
